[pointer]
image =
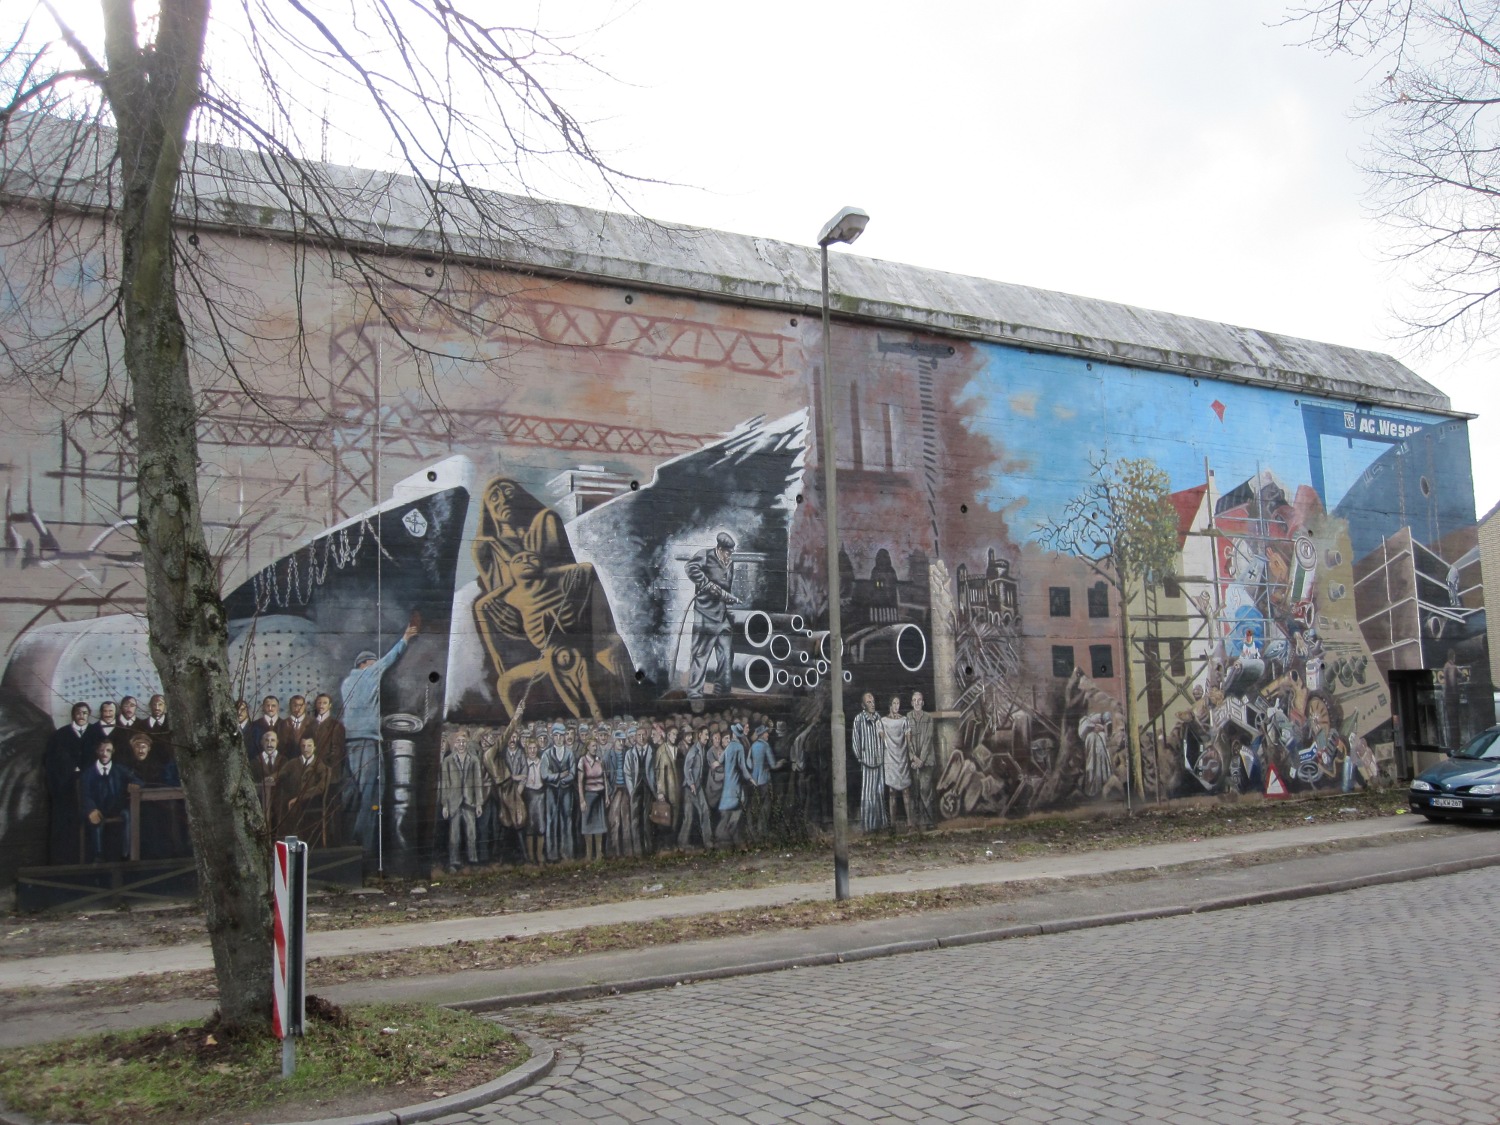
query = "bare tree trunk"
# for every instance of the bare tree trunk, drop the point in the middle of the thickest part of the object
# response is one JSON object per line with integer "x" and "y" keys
{"x": 1132, "y": 730}
{"x": 152, "y": 95}
{"x": 151, "y": 84}
{"x": 189, "y": 645}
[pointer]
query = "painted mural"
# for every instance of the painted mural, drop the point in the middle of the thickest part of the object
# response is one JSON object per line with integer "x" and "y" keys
{"x": 1307, "y": 552}
{"x": 576, "y": 609}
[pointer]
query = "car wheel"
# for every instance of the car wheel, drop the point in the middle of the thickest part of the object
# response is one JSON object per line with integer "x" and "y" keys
{"x": 1323, "y": 711}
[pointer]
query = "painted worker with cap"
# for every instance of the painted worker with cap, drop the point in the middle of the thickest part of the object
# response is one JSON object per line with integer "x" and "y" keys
{"x": 559, "y": 776}
{"x": 639, "y": 780}
{"x": 461, "y": 796}
{"x": 360, "y": 693}
{"x": 619, "y": 825}
{"x": 737, "y": 779}
{"x": 762, "y": 762}
{"x": 712, "y": 574}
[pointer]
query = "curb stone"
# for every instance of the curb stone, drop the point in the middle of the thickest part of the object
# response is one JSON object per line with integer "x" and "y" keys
{"x": 890, "y": 949}
{"x": 598, "y": 990}
{"x": 543, "y": 1059}
{"x": 539, "y": 1065}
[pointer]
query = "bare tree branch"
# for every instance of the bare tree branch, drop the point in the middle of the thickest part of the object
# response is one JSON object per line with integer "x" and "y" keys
{"x": 117, "y": 172}
{"x": 1434, "y": 162}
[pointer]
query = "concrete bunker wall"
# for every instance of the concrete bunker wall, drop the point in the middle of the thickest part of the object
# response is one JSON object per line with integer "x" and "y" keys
{"x": 544, "y": 493}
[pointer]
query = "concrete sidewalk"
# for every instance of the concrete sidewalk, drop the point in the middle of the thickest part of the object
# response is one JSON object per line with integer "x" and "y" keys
{"x": 77, "y": 968}
{"x": 1168, "y": 879}
{"x": 1164, "y": 880}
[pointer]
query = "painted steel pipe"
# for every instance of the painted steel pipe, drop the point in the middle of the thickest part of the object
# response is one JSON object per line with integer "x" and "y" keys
{"x": 403, "y": 774}
{"x": 754, "y": 672}
{"x": 904, "y": 644}
{"x": 758, "y": 626}
{"x": 755, "y": 625}
{"x": 820, "y": 641}
{"x": 780, "y": 647}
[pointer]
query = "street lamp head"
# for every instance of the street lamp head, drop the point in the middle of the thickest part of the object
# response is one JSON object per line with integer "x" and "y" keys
{"x": 846, "y": 226}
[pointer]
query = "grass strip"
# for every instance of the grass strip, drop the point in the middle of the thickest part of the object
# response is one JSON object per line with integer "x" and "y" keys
{"x": 197, "y": 1073}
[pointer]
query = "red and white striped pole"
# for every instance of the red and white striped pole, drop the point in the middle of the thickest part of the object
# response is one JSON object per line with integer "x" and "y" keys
{"x": 289, "y": 934}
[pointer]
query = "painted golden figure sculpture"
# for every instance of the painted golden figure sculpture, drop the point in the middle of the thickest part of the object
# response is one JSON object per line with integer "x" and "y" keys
{"x": 541, "y": 615}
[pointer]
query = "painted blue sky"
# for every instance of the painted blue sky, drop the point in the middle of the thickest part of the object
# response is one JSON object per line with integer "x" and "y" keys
{"x": 1053, "y": 411}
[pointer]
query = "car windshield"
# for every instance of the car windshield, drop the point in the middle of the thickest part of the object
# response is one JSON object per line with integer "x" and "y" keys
{"x": 1485, "y": 745}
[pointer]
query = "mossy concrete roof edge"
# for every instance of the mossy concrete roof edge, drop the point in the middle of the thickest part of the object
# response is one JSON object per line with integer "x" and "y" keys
{"x": 233, "y": 189}
{"x": 721, "y": 265}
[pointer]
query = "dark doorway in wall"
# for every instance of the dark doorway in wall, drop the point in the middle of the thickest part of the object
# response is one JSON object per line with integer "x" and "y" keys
{"x": 1417, "y": 707}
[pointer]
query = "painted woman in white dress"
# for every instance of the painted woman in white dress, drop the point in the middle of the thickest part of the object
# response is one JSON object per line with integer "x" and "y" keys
{"x": 894, "y": 736}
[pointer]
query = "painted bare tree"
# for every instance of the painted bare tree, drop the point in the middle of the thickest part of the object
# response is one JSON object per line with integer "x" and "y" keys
{"x": 1433, "y": 164}
{"x": 1124, "y": 528}
{"x": 104, "y": 133}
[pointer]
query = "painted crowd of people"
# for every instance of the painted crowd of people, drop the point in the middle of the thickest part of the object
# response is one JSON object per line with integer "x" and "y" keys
{"x": 576, "y": 789}
{"x": 538, "y": 791}
{"x": 897, "y": 754}
{"x": 550, "y": 791}
{"x": 299, "y": 762}
{"x": 91, "y": 766}
{"x": 320, "y": 772}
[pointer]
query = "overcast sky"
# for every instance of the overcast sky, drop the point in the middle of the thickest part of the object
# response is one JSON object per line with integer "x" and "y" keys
{"x": 1173, "y": 154}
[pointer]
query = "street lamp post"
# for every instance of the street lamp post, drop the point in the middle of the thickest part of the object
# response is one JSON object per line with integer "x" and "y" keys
{"x": 845, "y": 227}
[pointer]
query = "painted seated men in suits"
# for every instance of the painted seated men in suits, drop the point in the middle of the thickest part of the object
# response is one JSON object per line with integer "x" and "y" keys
{"x": 107, "y": 729}
{"x": 162, "y": 824}
{"x": 129, "y": 712}
{"x": 269, "y": 719}
{"x": 293, "y": 726}
{"x": 328, "y": 733}
{"x": 301, "y": 790}
{"x": 263, "y": 769}
{"x": 105, "y": 803}
{"x": 155, "y": 723}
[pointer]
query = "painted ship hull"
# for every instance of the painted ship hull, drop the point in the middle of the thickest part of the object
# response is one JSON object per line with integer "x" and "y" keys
{"x": 295, "y": 628}
{"x": 296, "y": 625}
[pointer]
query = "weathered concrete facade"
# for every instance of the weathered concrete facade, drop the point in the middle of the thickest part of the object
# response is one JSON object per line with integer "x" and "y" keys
{"x": 544, "y": 498}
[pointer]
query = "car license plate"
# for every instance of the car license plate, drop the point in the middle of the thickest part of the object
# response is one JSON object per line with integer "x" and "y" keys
{"x": 1447, "y": 803}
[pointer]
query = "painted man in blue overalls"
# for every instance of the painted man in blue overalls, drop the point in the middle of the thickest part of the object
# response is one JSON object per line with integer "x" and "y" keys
{"x": 361, "y": 695}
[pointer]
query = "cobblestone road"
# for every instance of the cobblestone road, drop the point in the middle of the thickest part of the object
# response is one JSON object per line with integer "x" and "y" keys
{"x": 1354, "y": 1007}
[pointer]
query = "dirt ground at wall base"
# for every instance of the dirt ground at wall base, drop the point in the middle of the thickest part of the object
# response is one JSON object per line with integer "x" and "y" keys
{"x": 511, "y": 889}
